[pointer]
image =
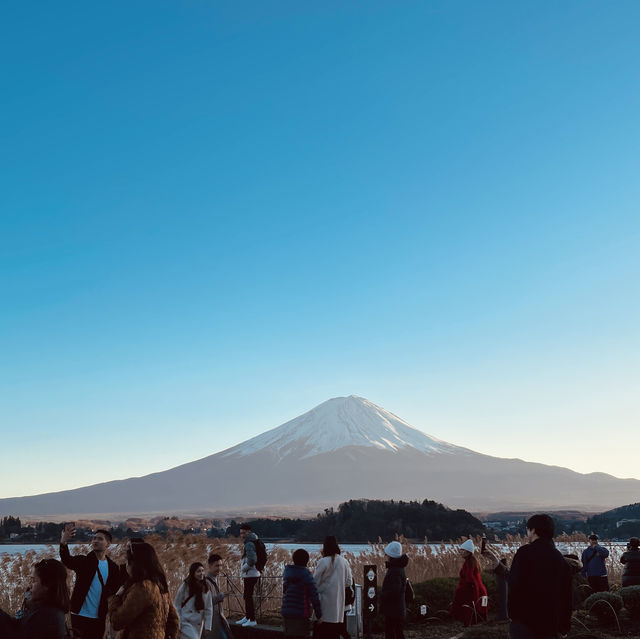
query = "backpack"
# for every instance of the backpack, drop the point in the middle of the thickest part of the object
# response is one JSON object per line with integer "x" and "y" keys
{"x": 261, "y": 552}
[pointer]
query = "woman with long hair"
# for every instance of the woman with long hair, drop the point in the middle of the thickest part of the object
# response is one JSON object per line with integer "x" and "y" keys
{"x": 470, "y": 601}
{"x": 332, "y": 576}
{"x": 194, "y": 604}
{"x": 44, "y": 618}
{"x": 142, "y": 608}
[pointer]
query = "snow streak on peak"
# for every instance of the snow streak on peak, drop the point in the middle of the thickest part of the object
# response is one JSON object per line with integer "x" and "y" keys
{"x": 340, "y": 422}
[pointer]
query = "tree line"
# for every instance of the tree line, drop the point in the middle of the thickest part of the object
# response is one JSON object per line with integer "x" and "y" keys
{"x": 362, "y": 520}
{"x": 356, "y": 520}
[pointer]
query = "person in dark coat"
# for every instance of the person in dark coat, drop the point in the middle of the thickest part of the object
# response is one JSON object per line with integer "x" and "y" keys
{"x": 392, "y": 601}
{"x": 577, "y": 580}
{"x": 501, "y": 571}
{"x": 539, "y": 586}
{"x": 299, "y": 596}
{"x": 631, "y": 561}
{"x": 97, "y": 579}
{"x": 44, "y": 618}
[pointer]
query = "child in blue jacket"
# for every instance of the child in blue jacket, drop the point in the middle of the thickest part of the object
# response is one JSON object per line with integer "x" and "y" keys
{"x": 299, "y": 595}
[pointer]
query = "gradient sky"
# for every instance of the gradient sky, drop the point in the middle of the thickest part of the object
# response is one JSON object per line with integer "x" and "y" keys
{"x": 216, "y": 215}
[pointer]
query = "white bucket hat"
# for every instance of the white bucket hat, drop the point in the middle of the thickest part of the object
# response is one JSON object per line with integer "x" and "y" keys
{"x": 468, "y": 545}
{"x": 394, "y": 550}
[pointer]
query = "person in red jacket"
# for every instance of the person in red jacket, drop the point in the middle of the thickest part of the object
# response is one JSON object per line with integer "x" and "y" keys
{"x": 470, "y": 599}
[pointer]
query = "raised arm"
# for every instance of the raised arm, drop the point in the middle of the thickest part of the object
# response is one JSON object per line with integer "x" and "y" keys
{"x": 72, "y": 562}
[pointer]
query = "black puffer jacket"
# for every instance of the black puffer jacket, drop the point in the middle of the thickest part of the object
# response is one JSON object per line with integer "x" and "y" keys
{"x": 392, "y": 604}
{"x": 631, "y": 572}
{"x": 39, "y": 622}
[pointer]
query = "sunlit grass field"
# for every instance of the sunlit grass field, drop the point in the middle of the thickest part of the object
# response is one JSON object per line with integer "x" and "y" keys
{"x": 177, "y": 553}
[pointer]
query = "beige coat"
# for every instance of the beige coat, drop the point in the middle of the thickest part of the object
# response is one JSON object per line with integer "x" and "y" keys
{"x": 332, "y": 576}
{"x": 192, "y": 621}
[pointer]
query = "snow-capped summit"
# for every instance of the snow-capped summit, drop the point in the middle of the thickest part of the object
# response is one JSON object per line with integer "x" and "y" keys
{"x": 345, "y": 448}
{"x": 338, "y": 423}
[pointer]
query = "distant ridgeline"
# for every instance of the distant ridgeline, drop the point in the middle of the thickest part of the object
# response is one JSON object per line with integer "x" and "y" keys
{"x": 361, "y": 520}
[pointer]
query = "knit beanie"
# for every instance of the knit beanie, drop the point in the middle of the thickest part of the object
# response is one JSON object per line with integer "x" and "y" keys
{"x": 393, "y": 550}
{"x": 468, "y": 545}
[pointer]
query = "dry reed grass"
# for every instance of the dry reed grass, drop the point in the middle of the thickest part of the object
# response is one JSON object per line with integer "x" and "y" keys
{"x": 179, "y": 551}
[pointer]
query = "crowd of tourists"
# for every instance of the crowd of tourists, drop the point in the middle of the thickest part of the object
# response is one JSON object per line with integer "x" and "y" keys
{"x": 537, "y": 592}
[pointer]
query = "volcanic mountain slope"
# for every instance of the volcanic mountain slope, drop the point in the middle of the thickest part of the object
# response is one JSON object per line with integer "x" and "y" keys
{"x": 344, "y": 448}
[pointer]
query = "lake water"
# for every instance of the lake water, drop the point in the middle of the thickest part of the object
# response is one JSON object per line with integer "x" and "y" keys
{"x": 15, "y": 549}
{"x": 355, "y": 549}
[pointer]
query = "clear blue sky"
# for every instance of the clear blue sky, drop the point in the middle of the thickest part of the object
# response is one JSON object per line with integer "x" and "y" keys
{"x": 216, "y": 215}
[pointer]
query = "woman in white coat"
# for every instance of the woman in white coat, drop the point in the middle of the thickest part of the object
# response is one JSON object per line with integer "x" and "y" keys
{"x": 194, "y": 604}
{"x": 332, "y": 576}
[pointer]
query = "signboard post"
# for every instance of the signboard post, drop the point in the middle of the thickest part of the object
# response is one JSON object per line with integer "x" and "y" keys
{"x": 369, "y": 597}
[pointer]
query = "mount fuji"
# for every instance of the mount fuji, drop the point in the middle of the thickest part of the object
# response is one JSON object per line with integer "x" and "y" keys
{"x": 345, "y": 448}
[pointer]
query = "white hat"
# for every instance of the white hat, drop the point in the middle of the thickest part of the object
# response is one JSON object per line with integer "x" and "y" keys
{"x": 468, "y": 545}
{"x": 394, "y": 550}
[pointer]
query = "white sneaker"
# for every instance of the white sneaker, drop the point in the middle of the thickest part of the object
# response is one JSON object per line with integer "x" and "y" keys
{"x": 242, "y": 621}
{"x": 250, "y": 623}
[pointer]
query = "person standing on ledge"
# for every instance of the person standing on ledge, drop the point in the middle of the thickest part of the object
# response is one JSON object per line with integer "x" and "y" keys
{"x": 97, "y": 578}
{"x": 250, "y": 573}
{"x": 593, "y": 567}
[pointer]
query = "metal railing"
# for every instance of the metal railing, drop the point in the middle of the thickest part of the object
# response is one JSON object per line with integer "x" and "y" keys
{"x": 267, "y": 598}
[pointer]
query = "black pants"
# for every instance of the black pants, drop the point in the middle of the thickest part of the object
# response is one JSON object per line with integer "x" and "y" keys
{"x": 344, "y": 633}
{"x": 249, "y": 608}
{"x": 393, "y": 629}
{"x": 502, "y": 587}
{"x": 518, "y": 630}
{"x": 327, "y": 630}
{"x": 87, "y": 628}
{"x": 599, "y": 584}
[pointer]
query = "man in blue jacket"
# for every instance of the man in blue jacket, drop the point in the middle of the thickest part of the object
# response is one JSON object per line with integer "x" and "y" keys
{"x": 593, "y": 566}
{"x": 299, "y": 595}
